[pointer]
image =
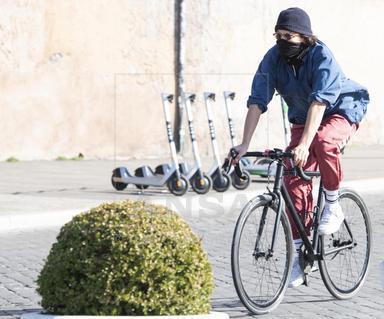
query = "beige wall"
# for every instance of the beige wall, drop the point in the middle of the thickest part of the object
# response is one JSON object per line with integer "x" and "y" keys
{"x": 68, "y": 67}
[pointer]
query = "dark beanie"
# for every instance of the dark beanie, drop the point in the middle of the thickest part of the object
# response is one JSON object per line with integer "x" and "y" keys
{"x": 294, "y": 20}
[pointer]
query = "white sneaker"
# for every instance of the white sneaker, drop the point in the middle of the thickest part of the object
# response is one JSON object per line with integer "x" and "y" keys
{"x": 297, "y": 274}
{"x": 331, "y": 220}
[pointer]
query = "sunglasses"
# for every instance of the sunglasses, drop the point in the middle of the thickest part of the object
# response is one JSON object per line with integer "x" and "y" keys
{"x": 285, "y": 36}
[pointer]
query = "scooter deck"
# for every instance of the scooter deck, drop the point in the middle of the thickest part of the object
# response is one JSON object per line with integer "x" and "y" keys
{"x": 154, "y": 180}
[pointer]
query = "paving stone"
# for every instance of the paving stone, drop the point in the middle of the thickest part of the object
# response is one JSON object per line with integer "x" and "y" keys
{"x": 22, "y": 254}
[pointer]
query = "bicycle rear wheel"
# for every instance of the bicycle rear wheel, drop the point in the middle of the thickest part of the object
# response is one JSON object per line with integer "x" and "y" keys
{"x": 260, "y": 280}
{"x": 344, "y": 272}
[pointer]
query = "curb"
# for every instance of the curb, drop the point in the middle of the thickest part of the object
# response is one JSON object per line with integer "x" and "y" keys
{"x": 184, "y": 205}
{"x": 211, "y": 315}
{"x": 366, "y": 186}
{"x": 39, "y": 220}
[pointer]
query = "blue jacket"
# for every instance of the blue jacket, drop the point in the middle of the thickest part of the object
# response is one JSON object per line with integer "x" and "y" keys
{"x": 319, "y": 78}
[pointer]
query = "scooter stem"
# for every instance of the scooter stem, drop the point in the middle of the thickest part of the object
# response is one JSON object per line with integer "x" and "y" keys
{"x": 167, "y": 99}
{"x": 230, "y": 95}
{"x": 189, "y": 98}
{"x": 208, "y": 97}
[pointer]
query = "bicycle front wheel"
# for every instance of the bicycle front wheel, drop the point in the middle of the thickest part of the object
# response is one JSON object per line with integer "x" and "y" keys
{"x": 261, "y": 276}
{"x": 347, "y": 252}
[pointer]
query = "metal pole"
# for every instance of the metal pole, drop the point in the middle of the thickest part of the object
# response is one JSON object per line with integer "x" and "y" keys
{"x": 179, "y": 73}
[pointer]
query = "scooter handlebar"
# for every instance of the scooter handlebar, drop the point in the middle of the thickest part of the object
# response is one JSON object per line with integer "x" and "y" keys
{"x": 229, "y": 94}
{"x": 167, "y": 97}
{"x": 209, "y": 95}
{"x": 190, "y": 96}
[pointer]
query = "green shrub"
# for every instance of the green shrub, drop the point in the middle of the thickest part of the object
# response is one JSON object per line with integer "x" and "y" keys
{"x": 79, "y": 157}
{"x": 127, "y": 258}
{"x": 12, "y": 159}
{"x": 62, "y": 158}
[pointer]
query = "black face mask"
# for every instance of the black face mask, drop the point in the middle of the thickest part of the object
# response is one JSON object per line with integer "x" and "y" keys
{"x": 291, "y": 52}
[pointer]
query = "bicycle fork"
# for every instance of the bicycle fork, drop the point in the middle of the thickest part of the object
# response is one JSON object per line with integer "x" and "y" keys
{"x": 276, "y": 196}
{"x": 276, "y": 190}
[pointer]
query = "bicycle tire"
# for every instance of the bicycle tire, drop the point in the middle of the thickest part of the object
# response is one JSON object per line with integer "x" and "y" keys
{"x": 252, "y": 303}
{"x": 339, "y": 280}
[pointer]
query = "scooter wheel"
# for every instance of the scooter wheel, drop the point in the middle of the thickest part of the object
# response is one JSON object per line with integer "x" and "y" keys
{"x": 201, "y": 185}
{"x": 117, "y": 185}
{"x": 178, "y": 186}
{"x": 141, "y": 186}
{"x": 239, "y": 183}
{"x": 221, "y": 183}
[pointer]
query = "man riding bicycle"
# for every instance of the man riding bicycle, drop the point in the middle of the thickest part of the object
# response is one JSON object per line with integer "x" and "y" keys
{"x": 325, "y": 109}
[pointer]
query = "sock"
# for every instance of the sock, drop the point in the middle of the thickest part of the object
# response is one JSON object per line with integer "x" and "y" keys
{"x": 331, "y": 197}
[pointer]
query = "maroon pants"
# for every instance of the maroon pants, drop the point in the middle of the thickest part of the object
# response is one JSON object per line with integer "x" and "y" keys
{"x": 324, "y": 154}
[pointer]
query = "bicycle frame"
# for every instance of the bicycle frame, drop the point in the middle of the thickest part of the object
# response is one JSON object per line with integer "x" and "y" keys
{"x": 280, "y": 192}
{"x": 262, "y": 287}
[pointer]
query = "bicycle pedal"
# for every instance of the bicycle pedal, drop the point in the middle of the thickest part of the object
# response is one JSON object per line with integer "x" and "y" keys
{"x": 308, "y": 269}
{"x": 314, "y": 268}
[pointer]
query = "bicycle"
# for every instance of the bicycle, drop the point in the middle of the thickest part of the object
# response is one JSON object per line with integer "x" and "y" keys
{"x": 262, "y": 245}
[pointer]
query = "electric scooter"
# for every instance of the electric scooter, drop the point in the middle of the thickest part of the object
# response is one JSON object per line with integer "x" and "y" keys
{"x": 172, "y": 177}
{"x": 238, "y": 183}
{"x": 263, "y": 167}
{"x": 220, "y": 179}
{"x": 200, "y": 182}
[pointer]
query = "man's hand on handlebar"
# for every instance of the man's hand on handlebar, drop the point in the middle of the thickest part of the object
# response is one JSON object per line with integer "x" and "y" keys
{"x": 241, "y": 150}
{"x": 233, "y": 159}
{"x": 301, "y": 154}
{"x": 275, "y": 154}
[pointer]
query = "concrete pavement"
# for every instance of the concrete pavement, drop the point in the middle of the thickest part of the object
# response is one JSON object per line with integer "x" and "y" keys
{"x": 49, "y": 193}
{"x": 37, "y": 197}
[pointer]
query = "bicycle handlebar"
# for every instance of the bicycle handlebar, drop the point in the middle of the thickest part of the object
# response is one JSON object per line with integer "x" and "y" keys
{"x": 303, "y": 175}
{"x": 275, "y": 154}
